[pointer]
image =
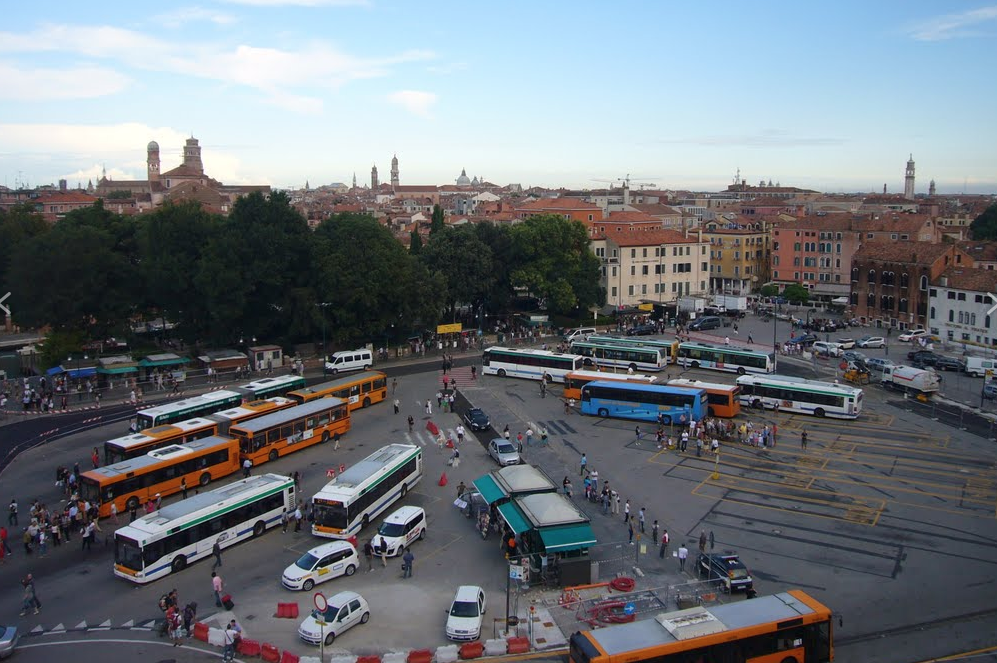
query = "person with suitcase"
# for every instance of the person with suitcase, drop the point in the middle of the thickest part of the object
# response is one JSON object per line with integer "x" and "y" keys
{"x": 217, "y": 586}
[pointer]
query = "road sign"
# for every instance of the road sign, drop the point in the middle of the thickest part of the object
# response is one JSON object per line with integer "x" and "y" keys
{"x": 516, "y": 572}
{"x": 330, "y": 474}
{"x": 629, "y": 609}
{"x": 320, "y": 602}
{"x": 449, "y": 329}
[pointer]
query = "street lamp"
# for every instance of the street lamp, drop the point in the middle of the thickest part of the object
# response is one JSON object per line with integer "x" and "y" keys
{"x": 69, "y": 360}
{"x": 323, "y": 305}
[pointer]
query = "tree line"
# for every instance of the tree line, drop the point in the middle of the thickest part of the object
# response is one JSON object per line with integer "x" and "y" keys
{"x": 261, "y": 272}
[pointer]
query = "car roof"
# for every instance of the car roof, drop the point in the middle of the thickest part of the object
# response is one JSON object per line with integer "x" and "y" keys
{"x": 402, "y": 514}
{"x": 467, "y": 593}
{"x": 326, "y": 548}
{"x": 343, "y": 597}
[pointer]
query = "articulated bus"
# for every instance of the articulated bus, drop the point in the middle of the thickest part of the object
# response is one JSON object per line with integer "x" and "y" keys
{"x": 787, "y": 627}
{"x": 349, "y": 502}
{"x": 359, "y": 390}
{"x": 574, "y": 381}
{"x": 632, "y": 357}
{"x": 531, "y": 364}
{"x": 670, "y": 346}
{"x": 181, "y": 432}
{"x": 645, "y": 402}
{"x": 292, "y": 429}
{"x": 724, "y": 399}
{"x": 267, "y": 387}
{"x": 135, "y": 481}
{"x": 788, "y": 394}
{"x": 168, "y": 540}
{"x": 725, "y": 358}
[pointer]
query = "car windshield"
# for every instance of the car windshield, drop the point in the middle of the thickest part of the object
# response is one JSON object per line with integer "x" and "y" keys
{"x": 329, "y": 615}
{"x": 391, "y": 529}
{"x": 737, "y": 574}
{"x": 477, "y": 415}
{"x": 504, "y": 448}
{"x": 464, "y": 609}
{"x": 306, "y": 562}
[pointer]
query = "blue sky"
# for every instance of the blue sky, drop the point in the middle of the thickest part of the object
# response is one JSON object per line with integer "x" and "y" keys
{"x": 831, "y": 96}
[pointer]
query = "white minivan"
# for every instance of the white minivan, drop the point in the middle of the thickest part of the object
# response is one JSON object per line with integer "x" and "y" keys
{"x": 325, "y": 562}
{"x": 581, "y": 334}
{"x": 349, "y": 360}
{"x": 401, "y": 529}
{"x": 978, "y": 366}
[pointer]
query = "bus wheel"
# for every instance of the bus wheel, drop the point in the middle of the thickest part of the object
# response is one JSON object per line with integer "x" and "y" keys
{"x": 132, "y": 503}
{"x": 179, "y": 564}
{"x": 273, "y": 455}
{"x": 366, "y": 402}
{"x": 740, "y": 370}
{"x": 307, "y": 586}
{"x": 204, "y": 479}
{"x": 695, "y": 364}
{"x": 259, "y": 528}
{"x": 404, "y": 491}
{"x": 325, "y": 436}
{"x": 603, "y": 412}
{"x": 501, "y": 372}
{"x": 757, "y": 404}
{"x": 819, "y": 412}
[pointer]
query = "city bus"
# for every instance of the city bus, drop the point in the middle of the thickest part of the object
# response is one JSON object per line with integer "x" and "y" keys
{"x": 790, "y": 626}
{"x": 574, "y": 381}
{"x": 267, "y": 387}
{"x": 633, "y": 357}
{"x": 188, "y": 408}
{"x": 349, "y": 502}
{"x": 670, "y": 346}
{"x": 692, "y": 354}
{"x": 531, "y": 364}
{"x": 359, "y": 390}
{"x": 135, "y": 481}
{"x": 181, "y": 432}
{"x": 183, "y": 532}
{"x": 623, "y": 400}
{"x": 292, "y": 429}
{"x": 724, "y": 399}
{"x": 788, "y": 394}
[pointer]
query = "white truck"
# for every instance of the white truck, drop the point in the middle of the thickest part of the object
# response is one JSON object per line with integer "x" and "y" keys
{"x": 911, "y": 380}
{"x": 692, "y": 304}
{"x": 731, "y": 303}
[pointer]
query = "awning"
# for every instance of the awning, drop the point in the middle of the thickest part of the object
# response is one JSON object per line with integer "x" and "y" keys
{"x": 87, "y": 372}
{"x": 514, "y": 518}
{"x": 55, "y": 370}
{"x": 489, "y": 489}
{"x": 117, "y": 370}
{"x": 152, "y": 363}
{"x": 567, "y": 537}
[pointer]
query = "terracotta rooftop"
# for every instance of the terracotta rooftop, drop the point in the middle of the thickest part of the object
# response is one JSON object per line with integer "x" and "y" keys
{"x": 67, "y": 198}
{"x": 655, "y": 209}
{"x": 630, "y": 217}
{"x": 980, "y": 251}
{"x": 912, "y": 253}
{"x": 648, "y": 238}
{"x": 969, "y": 278}
{"x": 557, "y": 204}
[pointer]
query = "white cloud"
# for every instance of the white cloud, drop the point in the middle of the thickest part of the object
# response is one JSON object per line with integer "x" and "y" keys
{"x": 183, "y": 15}
{"x": 414, "y": 101}
{"x": 83, "y": 82}
{"x": 952, "y": 26}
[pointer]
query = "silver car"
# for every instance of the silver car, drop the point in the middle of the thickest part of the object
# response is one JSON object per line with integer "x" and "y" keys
{"x": 503, "y": 452}
{"x": 8, "y": 640}
{"x": 879, "y": 364}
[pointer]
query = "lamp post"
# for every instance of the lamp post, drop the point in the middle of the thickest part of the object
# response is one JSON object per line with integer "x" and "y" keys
{"x": 323, "y": 305}
{"x": 69, "y": 360}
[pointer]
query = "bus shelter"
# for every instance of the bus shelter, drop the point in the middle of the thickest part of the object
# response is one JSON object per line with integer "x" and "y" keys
{"x": 166, "y": 361}
{"x": 112, "y": 368}
{"x": 501, "y": 485}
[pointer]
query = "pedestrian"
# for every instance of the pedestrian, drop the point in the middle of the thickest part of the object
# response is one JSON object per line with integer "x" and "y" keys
{"x": 183, "y": 488}
{"x": 637, "y": 435}
{"x": 30, "y": 601}
{"x": 368, "y": 552}
{"x": 394, "y": 385}
{"x": 159, "y": 501}
{"x": 750, "y": 340}
{"x": 407, "y": 559}
{"x": 382, "y": 551}
{"x": 461, "y": 488}
{"x": 88, "y": 533}
{"x": 95, "y": 458}
{"x": 133, "y": 511}
{"x": 228, "y": 638}
{"x": 640, "y": 518}
{"x": 506, "y": 434}
{"x": 189, "y": 617}
{"x": 246, "y": 466}
{"x": 584, "y": 461}
{"x": 216, "y": 550}
{"x": 803, "y": 439}
{"x": 397, "y": 405}
{"x": 663, "y": 550}
{"x": 702, "y": 540}
{"x": 474, "y": 372}
{"x": 626, "y": 511}
{"x": 439, "y": 399}
{"x": 335, "y": 441}
{"x": 411, "y": 423}
{"x": 217, "y": 586}
{"x": 429, "y": 406}
{"x": 630, "y": 532}
{"x": 3, "y": 541}
{"x": 460, "y": 433}
{"x": 519, "y": 441}
{"x": 12, "y": 513}
{"x": 654, "y": 531}
{"x": 682, "y": 555}
{"x": 174, "y": 624}
{"x": 297, "y": 518}
{"x": 283, "y": 521}
{"x": 543, "y": 436}
{"x": 529, "y": 436}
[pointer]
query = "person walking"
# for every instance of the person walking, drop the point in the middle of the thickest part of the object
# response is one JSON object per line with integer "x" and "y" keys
{"x": 394, "y": 385}
{"x": 663, "y": 550}
{"x": 637, "y": 435}
{"x": 429, "y": 406}
{"x": 284, "y": 518}
{"x": 216, "y": 550}
{"x": 682, "y": 555}
{"x": 630, "y": 532}
{"x": 461, "y": 488}
{"x": 626, "y": 511}
{"x": 183, "y": 488}
{"x": 30, "y": 600}
{"x": 297, "y": 518}
{"x": 654, "y": 531}
{"x": 583, "y": 462}
{"x": 803, "y": 439}
{"x": 382, "y": 551}
{"x": 189, "y": 617}
{"x": 407, "y": 559}
{"x": 702, "y": 540}
{"x": 368, "y": 553}
{"x": 640, "y": 518}
{"x": 246, "y": 466}
{"x": 529, "y": 436}
{"x": 397, "y": 405}
{"x": 12, "y": 513}
{"x": 460, "y": 433}
{"x": 217, "y": 586}
{"x": 411, "y": 423}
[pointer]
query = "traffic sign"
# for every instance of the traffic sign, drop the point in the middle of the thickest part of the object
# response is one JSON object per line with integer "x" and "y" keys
{"x": 330, "y": 474}
{"x": 629, "y": 609}
{"x": 320, "y": 602}
{"x": 516, "y": 572}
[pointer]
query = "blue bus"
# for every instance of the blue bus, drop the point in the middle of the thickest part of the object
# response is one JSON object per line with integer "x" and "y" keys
{"x": 627, "y": 400}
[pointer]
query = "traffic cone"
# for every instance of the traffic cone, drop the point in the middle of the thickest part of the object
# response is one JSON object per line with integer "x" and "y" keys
{"x": 443, "y": 479}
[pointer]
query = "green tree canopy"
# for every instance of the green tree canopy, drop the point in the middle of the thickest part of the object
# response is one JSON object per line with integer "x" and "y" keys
{"x": 437, "y": 223}
{"x": 463, "y": 262}
{"x": 985, "y": 225}
{"x": 17, "y": 225}
{"x": 796, "y": 294}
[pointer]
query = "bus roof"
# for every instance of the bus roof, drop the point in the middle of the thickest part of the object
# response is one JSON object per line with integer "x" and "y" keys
{"x": 208, "y": 397}
{"x": 369, "y": 467}
{"x": 669, "y": 627}
{"x": 130, "y": 440}
{"x": 288, "y": 414}
{"x": 341, "y": 382}
{"x": 800, "y": 382}
{"x": 125, "y": 467}
{"x": 609, "y": 375}
{"x": 732, "y": 349}
{"x": 251, "y": 408}
{"x": 613, "y": 343}
{"x": 699, "y": 384}
{"x": 267, "y": 383}
{"x": 637, "y": 386}
{"x": 162, "y": 520}
{"x": 175, "y": 427}
{"x": 532, "y": 351}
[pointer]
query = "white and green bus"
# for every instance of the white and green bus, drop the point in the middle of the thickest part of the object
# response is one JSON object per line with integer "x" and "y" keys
{"x": 530, "y": 364}
{"x": 349, "y": 502}
{"x": 669, "y": 345}
{"x": 789, "y": 394}
{"x": 169, "y": 539}
{"x": 188, "y": 408}
{"x": 692, "y": 354}
{"x": 610, "y": 353}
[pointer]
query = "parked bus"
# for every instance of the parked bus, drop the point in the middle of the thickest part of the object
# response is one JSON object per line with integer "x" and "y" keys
{"x": 349, "y": 502}
{"x": 692, "y": 354}
{"x": 623, "y": 400}
{"x": 670, "y": 346}
{"x": 359, "y": 390}
{"x": 293, "y": 429}
{"x": 188, "y": 408}
{"x": 790, "y": 626}
{"x": 267, "y": 387}
{"x": 530, "y": 364}
{"x": 632, "y": 357}
{"x": 821, "y": 399}
{"x": 724, "y": 399}
{"x": 183, "y": 532}
{"x": 133, "y": 482}
{"x": 574, "y": 381}
{"x": 181, "y": 432}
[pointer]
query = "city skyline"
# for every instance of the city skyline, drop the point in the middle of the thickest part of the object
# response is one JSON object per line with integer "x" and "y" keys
{"x": 681, "y": 97}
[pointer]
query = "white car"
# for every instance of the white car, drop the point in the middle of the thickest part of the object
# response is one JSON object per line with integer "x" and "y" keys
{"x": 829, "y": 348}
{"x": 871, "y": 342}
{"x": 325, "y": 562}
{"x": 908, "y": 336}
{"x": 345, "y": 610}
{"x": 502, "y": 451}
{"x": 465, "y": 613}
{"x": 401, "y": 529}
{"x": 846, "y": 343}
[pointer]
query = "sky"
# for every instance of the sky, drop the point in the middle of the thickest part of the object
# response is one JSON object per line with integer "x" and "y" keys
{"x": 678, "y": 95}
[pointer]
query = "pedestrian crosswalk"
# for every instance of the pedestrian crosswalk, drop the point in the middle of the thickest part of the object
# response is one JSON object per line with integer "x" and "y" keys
{"x": 85, "y": 627}
{"x": 425, "y": 438}
{"x": 459, "y": 375}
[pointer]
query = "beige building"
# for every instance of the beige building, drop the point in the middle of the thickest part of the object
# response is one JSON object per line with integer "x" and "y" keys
{"x": 651, "y": 265}
{"x": 739, "y": 254}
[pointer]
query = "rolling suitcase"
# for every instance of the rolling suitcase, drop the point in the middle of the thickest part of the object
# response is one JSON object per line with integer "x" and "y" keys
{"x": 227, "y": 602}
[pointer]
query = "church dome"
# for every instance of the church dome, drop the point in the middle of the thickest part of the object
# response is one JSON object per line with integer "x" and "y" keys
{"x": 153, "y": 146}
{"x": 463, "y": 180}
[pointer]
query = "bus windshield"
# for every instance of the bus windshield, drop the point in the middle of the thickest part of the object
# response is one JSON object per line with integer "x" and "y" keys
{"x": 330, "y": 514}
{"x": 127, "y": 553}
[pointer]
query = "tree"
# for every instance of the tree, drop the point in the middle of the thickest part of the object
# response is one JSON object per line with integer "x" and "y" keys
{"x": 415, "y": 242}
{"x": 984, "y": 226}
{"x": 437, "y": 224}
{"x": 463, "y": 262}
{"x": 17, "y": 225}
{"x": 796, "y": 294}
{"x": 769, "y": 290}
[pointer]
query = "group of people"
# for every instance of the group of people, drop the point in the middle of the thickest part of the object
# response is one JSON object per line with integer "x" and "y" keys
{"x": 47, "y": 526}
{"x": 178, "y": 623}
{"x": 379, "y": 548}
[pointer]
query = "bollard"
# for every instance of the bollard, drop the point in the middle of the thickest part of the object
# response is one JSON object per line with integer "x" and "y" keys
{"x": 518, "y": 645}
{"x": 368, "y": 659}
{"x": 201, "y": 631}
{"x": 471, "y": 650}
{"x": 446, "y": 654}
{"x": 419, "y": 656}
{"x": 248, "y": 647}
{"x": 288, "y": 657}
{"x": 269, "y": 653}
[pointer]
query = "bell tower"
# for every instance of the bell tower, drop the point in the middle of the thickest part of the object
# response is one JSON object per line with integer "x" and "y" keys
{"x": 152, "y": 161}
{"x": 373, "y": 178}
{"x": 394, "y": 171}
{"x": 909, "y": 179}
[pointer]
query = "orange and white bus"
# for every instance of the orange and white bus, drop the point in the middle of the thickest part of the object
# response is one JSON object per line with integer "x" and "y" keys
{"x": 575, "y": 380}
{"x": 295, "y": 428}
{"x": 133, "y": 482}
{"x": 724, "y": 400}
{"x": 360, "y": 390}
{"x": 791, "y": 626}
{"x": 181, "y": 432}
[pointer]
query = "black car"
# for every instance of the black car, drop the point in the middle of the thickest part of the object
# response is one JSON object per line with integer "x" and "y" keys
{"x": 923, "y": 357}
{"x": 705, "y": 322}
{"x": 477, "y": 419}
{"x": 726, "y": 567}
{"x": 949, "y": 364}
{"x": 804, "y": 340}
{"x": 642, "y": 330}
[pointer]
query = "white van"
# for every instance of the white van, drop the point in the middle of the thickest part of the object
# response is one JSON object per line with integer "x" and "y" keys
{"x": 581, "y": 333}
{"x": 401, "y": 529}
{"x": 349, "y": 360}
{"x": 978, "y": 366}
